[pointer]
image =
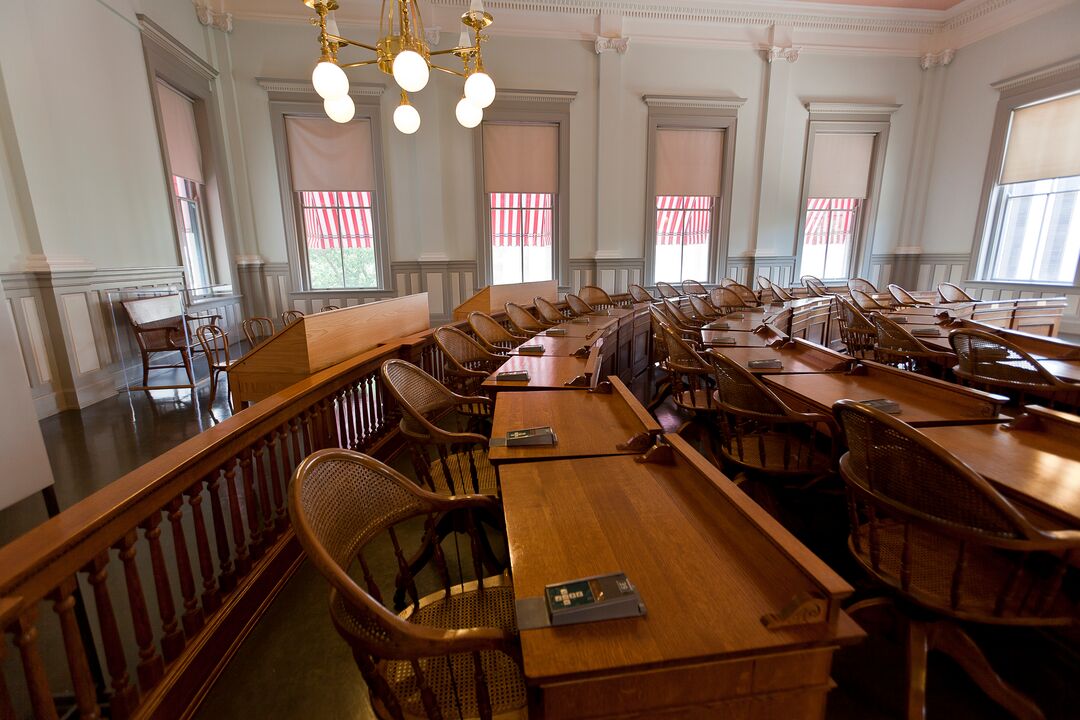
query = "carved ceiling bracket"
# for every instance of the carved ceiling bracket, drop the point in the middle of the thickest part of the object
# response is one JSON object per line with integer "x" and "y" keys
{"x": 612, "y": 44}
{"x": 209, "y": 17}
{"x": 776, "y": 52}
{"x": 938, "y": 59}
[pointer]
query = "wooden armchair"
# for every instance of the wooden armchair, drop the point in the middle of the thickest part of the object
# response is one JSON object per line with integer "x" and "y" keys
{"x": 467, "y": 362}
{"x": 598, "y": 297}
{"x": 491, "y": 335}
{"x": 990, "y": 361}
{"x": 903, "y": 298}
{"x": 666, "y": 290}
{"x": 288, "y": 317}
{"x": 856, "y": 331}
{"x": 778, "y": 293}
{"x": 899, "y": 348}
{"x": 866, "y": 303}
{"x": 951, "y": 293}
{"x": 161, "y": 325}
{"x": 746, "y": 295}
{"x": 701, "y": 309}
{"x": 815, "y": 286}
{"x": 690, "y": 383}
{"x": 328, "y": 308}
{"x": 679, "y": 318}
{"x": 725, "y": 300}
{"x": 949, "y": 548}
{"x": 257, "y": 330}
{"x": 215, "y": 345}
{"x": 862, "y": 285}
{"x": 453, "y": 653}
{"x": 639, "y": 294}
{"x": 578, "y": 306}
{"x": 523, "y": 321}
{"x": 693, "y": 287}
{"x": 548, "y": 312}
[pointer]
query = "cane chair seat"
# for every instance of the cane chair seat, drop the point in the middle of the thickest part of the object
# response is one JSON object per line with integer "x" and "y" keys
{"x": 861, "y": 285}
{"x": 639, "y": 294}
{"x": 693, "y": 287}
{"x": 547, "y": 311}
{"x": 460, "y": 465}
{"x": 524, "y": 321}
{"x": 951, "y": 293}
{"x": 491, "y": 335}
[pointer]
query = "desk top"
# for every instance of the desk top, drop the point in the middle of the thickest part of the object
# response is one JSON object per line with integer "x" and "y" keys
{"x": 546, "y": 372}
{"x": 557, "y": 346}
{"x": 742, "y": 338}
{"x": 746, "y": 323}
{"x": 1067, "y": 370}
{"x": 588, "y": 331}
{"x": 800, "y": 357}
{"x": 1038, "y": 464}
{"x": 586, "y": 424}
{"x": 708, "y": 562}
{"x": 923, "y": 401}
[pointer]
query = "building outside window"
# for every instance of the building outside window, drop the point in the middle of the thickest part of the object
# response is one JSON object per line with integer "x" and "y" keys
{"x": 521, "y": 234}
{"x": 339, "y": 237}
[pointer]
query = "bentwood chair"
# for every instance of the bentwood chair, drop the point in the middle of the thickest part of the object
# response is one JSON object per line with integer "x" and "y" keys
{"x": 866, "y": 303}
{"x": 899, "y": 348}
{"x": 725, "y": 300}
{"x": 856, "y": 331}
{"x": 701, "y": 309}
{"x": 452, "y": 653}
{"x": 492, "y": 336}
{"x": 814, "y": 286}
{"x": 666, "y": 290}
{"x": 749, "y": 299}
{"x": 288, "y": 317}
{"x": 690, "y": 333}
{"x": 578, "y": 306}
{"x": 690, "y": 380}
{"x": 257, "y": 330}
{"x": 523, "y": 321}
{"x": 779, "y": 294}
{"x": 949, "y": 548}
{"x": 467, "y": 362}
{"x": 328, "y": 308}
{"x": 597, "y": 297}
{"x": 693, "y": 287}
{"x": 860, "y": 284}
{"x": 639, "y": 294}
{"x": 903, "y": 298}
{"x": 987, "y": 360}
{"x": 548, "y": 312}
{"x": 215, "y": 345}
{"x": 679, "y": 318}
{"x": 952, "y": 293}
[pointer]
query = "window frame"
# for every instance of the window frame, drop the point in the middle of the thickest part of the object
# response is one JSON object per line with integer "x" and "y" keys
{"x": 1016, "y": 92}
{"x": 534, "y": 107}
{"x": 303, "y": 103}
{"x": 875, "y": 121}
{"x": 693, "y": 114}
{"x": 197, "y": 201}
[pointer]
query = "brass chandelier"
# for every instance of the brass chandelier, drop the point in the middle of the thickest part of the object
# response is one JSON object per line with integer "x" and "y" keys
{"x": 402, "y": 51}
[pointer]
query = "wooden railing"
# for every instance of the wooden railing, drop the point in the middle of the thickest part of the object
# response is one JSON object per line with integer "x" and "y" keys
{"x": 179, "y": 558}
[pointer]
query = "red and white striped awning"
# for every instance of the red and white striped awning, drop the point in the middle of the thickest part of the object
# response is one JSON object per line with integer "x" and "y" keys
{"x": 338, "y": 220}
{"x": 830, "y": 220}
{"x": 520, "y": 219}
{"x": 683, "y": 220}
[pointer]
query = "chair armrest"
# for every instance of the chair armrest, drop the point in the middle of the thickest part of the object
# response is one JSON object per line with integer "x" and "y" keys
{"x": 474, "y": 400}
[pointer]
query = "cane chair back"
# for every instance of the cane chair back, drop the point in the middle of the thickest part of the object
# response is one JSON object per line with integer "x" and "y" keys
{"x": 578, "y": 306}
{"x": 328, "y": 308}
{"x": 446, "y": 461}
{"x": 760, "y": 434}
{"x": 899, "y": 348}
{"x": 902, "y": 297}
{"x": 930, "y": 527}
{"x": 492, "y": 336}
{"x": 448, "y": 654}
{"x": 989, "y": 360}
{"x": 693, "y": 287}
{"x": 725, "y": 299}
{"x": 215, "y": 345}
{"x": 288, "y": 317}
{"x": 689, "y": 333}
{"x": 257, "y": 330}
{"x": 666, "y": 290}
{"x": 814, "y": 286}
{"x": 639, "y": 294}
{"x": 597, "y": 297}
{"x": 856, "y": 331}
{"x": 690, "y": 373}
{"x": 865, "y": 302}
{"x": 746, "y": 295}
{"x": 860, "y": 284}
{"x": 702, "y": 310}
{"x": 951, "y": 293}
{"x": 678, "y": 317}
{"x": 524, "y": 321}
{"x": 778, "y": 293}
{"x": 467, "y": 362}
{"x": 548, "y": 312}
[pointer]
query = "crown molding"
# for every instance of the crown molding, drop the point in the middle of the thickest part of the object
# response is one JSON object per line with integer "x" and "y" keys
{"x": 561, "y": 97}
{"x": 1039, "y": 75}
{"x": 849, "y": 108}
{"x": 303, "y": 87}
{"x": 156, "y": 34}
{"x": 699, "y": 103}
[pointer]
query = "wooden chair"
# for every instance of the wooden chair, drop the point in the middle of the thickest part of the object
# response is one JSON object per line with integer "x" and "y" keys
{"x": 862, "y": 285}
{"x": 290, "y": 316}
{"x": 452, "y": 653}
{"x": 161, "y": 325}
{"x": 746, "y": 295}
{"x": 725, "y": 300}
{"x": 949, "y": 548}
{"x": 815, "y": 286}
{"x": 257, "y": 330}
{"x": 666, "y": 290}
{"x": 467, "y": 362}
{"x": 679, "y": 318}
{"x": 215, "y": 345}
{"x": 639, "y": 294}
{"x": 761, "y": 437}
{"x": 597, "y": 297}
{"x": 491, "y": 335}
{"x": 856, "y": 331}
{"x": 778, "y": 293}
{"x": 693, "y": 287}
{"x": 523, "y": 321}
{"x": 548, "y": 312}
{"x": 328, "y": 308}
{"x": 702, "y": 310}
{"x": 578, "y": 306}
{"x": 990, "y": 361}
{"x": 690, "y": 381}
{"x": 952, "y": 293}
{"x": 897, "y": 347}
{"x": 903, "y": 298}
{"x": 866, "y": 303}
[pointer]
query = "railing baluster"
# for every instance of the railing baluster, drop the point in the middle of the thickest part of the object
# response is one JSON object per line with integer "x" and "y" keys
{"x": 251, "y": 503}
{"x": 81, "y": 680}
{"x": 228, "y": 571}
{"x": 125, "y": 696}
{"x": 211, "y": 599}
{"x": 172, "y": 638}
{"x": 297, "y": 447}
{"x": 243, "y": 560}
{"x": 276, "y": 453}
{"x": 26, "y": 636}
{"x": 266, "y": 509}
{"x": 192, "y": 618}
{"x": 150, "y": 667}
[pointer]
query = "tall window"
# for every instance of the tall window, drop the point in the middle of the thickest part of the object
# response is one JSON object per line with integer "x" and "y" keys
{"x": 1034, "y": 210}
{"x": 187, "y": 187}
{"x": 521, "y": 184}
{"x": 333, "y": 183}
{"x": 838, "y": 187}
{"x": 687, "y": 196}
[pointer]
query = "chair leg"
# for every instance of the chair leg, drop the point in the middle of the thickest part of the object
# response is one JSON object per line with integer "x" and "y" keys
{"x": 213, "y": 384}
{"x": 145, "y": 368}
{"x": 917, "y": 648}
{"x": 187, "y": 367}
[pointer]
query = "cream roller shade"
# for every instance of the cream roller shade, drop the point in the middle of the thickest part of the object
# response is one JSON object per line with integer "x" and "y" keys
{"x": 521, "y": 158}
{"x": 1044, "y": 142}
{"x": 841, "y": 165}
{"x": 328, "y": 156}
{"x": 181, "y": 137}
{"x": 688, "y": 161}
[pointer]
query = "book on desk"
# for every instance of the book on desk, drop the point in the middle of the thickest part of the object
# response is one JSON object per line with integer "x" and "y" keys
{"x": 526, "y": 437}
{"x": 512, "y": 376}
{"x": 555, "y": 331}
{"x": 533, "y": 349}
{"x": 591, "y": 599}
{"x": 886, "y": 406}
{"x": 767, "y": 364}
{"x": 721, "y": 341}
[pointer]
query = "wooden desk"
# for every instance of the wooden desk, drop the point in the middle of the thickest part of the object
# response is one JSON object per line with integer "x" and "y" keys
{"x": 594, "y": 328}
{"x": 493, "y": 298}
{"x": 545, "y": 373}
{"x": 923, "y": 401}
{"x": 742, "y": 339}
{"x": 586, "y": 424}
{"x": 1036, "y": 463}
{"x": 556, "y": 346}
{"x": 746, "y": 323}
{"x": 1067, "y": 370}
{"x": 709, "y": 564}
{"x": 798, "y": 357}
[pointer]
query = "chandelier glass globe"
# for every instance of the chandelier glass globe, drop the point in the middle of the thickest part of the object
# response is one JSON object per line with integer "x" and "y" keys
{"x": 340, "y": 109}
{"x": 480, "y": 89}
{"x": 329, "y": 80}
{"x": 406, "y": 119}
{"x": 468, "y": 114}
{"x": 411, "y": 71}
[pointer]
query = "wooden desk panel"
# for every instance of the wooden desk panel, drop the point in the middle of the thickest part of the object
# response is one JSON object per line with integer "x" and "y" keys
{"x": 1038, "y": 465}
{"x": 586, "y": 424}
{"x": 923, "y": 401}
{"x": 802, "y": 357}
{"x": 546, "y": 373}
